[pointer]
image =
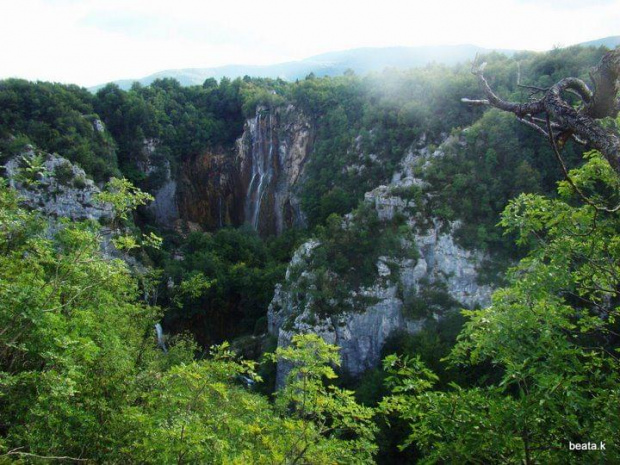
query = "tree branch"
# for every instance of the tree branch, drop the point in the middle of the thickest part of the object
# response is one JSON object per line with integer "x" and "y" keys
{"x": 533, "y": 125}
{"x": 519, "y": 109}
{"x": 580, "y": 123}
{"x": 44, "y": 457}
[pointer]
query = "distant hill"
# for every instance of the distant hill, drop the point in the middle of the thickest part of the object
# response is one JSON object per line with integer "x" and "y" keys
{"x": 360, "y": 60}
{"x": 609, "y": 42}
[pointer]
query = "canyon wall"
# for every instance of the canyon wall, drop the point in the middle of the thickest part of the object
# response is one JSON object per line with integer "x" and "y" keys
{"x": 58, "y": 188}
{"x": 255, "y": 183}
{"x": 442, "y": 269}
{"x": 272, "y": 153}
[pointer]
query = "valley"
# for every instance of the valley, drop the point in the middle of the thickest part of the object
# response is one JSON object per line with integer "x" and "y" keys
{"x": 336, "y": 266}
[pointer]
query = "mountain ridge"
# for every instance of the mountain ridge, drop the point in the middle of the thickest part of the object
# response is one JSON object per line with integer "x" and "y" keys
{"x": 360, "y": 60}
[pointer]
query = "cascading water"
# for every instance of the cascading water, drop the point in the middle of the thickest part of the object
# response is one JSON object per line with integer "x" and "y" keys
{"x": 160, "y": 337}
{"x": 262, "y": 167}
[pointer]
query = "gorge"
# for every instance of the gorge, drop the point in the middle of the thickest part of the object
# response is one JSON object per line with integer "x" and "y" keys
{"x": 253, "y": 183}
{"x": 347, "y": 269}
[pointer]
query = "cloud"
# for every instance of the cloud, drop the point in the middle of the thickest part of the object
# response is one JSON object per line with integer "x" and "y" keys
{"x": 149, "y": 26}
{"x": 92, "y": 41}
{"x": 132, "y": 24}
{"x": 569, "y": 4}
{"x": 197, "y": 30}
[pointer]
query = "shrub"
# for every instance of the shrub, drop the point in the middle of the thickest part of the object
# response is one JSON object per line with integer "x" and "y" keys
{"x": 63, "y": 172}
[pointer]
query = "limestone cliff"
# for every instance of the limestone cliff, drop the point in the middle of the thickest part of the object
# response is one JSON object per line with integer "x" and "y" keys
{"x": 210, "y": 193}
{"x": 254, "y": 183}
{"x": 272, "y": 153}
{"x": 58, "y": 188}
{"x": 161, "y": 183}
{"x": 406, "y": 291}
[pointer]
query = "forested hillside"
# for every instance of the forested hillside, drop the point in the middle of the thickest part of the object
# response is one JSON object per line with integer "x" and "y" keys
{"x": 307, "y": 248}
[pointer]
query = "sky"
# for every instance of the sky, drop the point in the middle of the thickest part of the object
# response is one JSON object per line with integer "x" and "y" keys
{"x": 89, "y": 42}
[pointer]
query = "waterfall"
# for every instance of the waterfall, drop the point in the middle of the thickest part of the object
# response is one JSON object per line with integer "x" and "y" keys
{"x": 262, "y": 167}
{"x": 160, "y": 337}
{"x": 247, "y": 382}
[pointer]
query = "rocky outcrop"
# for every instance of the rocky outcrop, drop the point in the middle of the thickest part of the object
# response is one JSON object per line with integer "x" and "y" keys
{"x": 441, "y": 266}
{"x": 160, "y": 183}
{"x": 272, "y": 153}
{"x": 52, "y": 185}
{"x": 55, "y": 187}
{"x": 360, "y": 335}
{"x": 441, "y": 259}
{"x": 210, "y": 192}
{"x": 254, "y": 183}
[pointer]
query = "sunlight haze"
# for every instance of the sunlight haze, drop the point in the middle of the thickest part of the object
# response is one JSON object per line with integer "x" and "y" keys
{"x": 94, "y": 41}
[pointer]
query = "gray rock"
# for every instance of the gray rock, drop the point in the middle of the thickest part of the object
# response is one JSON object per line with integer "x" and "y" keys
{"x": 71, "y": 195}
{"x": 99, "y": 126}
{"x": 361, "y": 334}
{"x": 271, "y": 155}
{"x": 164, "y": 207}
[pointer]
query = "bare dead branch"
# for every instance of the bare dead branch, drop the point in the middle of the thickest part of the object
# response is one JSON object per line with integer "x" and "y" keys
{"x": 544, "y": 121}
{"x": 605, "y": 77}
{"x": 475, "y": 102}
{"x": 533, "y": 125}
{"x": 580, "y": 141}
{"x": 575, "y": 86}
{"x": 17, "y": 452}
{"x": 576, "y": 188}
{"x": 534, "y": 88}
{"x": 570, "y": 122}
{"x": 519, "y": 109}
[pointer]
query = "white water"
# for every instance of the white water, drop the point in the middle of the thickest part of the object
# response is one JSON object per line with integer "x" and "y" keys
{"x": 160, "y": 337}
{"x": 262, "y": 168}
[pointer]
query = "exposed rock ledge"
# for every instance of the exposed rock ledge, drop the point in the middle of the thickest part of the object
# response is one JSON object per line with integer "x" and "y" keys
{"x": 361, "y": 334}
{"x": 61, "y": 191}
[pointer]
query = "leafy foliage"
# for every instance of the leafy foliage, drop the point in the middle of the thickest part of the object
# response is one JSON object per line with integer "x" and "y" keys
{"x": 182, "y": 120}
{"x": 242, "y": 271}
{"x": 57, "y": 118}
{"x": 82, "y": 379}
{"x": 552, "y": 334}
{"x": 32, "y": 169}
{"x": 332, "y": 411}
{"x": 124, "y": 198}
{"x": 80, "y": 374}
{"x": 346, "y": 257}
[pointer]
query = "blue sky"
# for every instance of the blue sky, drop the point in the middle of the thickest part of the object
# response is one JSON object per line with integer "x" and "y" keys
{"x": 92, "y": 41}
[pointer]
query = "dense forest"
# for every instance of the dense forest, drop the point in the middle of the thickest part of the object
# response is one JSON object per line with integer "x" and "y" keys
{"x": 84, "y": 378}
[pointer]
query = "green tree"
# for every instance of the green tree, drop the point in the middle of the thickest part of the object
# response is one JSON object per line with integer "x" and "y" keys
{"x": 57, "y": 118}
{"x": 73, "y": 335}
{"x": 330, "y": 412}
{"x": 552, "y": 334}
{"x": 81, "y": 377}
{"x": 124, "y": 198}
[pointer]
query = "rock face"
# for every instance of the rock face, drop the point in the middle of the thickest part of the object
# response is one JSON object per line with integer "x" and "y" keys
{"x": 210, "y": 192}
{"x": 441, "y": 259}
{"x": 442, "y": 264}
{"x": 60, "y": 190}
{"x": 164, "y": 207}
{"x": 272, "y": 154}
{"x": 254, "y": 183}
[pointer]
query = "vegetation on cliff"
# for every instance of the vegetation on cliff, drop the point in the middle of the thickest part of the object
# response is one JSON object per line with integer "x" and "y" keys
{"x": 55, "y": 118}
{"x": 83, "y": 380}
{"x": 551, "y": 336}
{"x": 82, "y": 377}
